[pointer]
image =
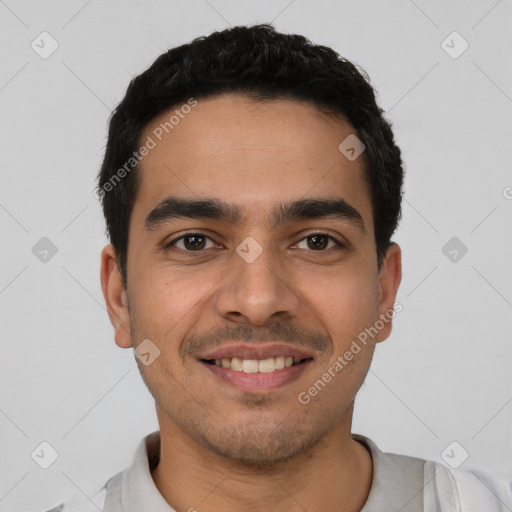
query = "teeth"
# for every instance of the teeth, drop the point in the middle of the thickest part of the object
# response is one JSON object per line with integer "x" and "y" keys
{"x": 236, "y": 364}
{"x": 250, "y": 365}
{"x": 266, "y": 365}
{"x": 257, "y": 366}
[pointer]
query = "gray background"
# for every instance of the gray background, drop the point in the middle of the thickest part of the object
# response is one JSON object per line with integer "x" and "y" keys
{"x": 443, "y": 376}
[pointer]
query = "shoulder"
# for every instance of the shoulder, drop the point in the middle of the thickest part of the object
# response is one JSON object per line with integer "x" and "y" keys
{"x": 79, "y": 502}
{"x": 465, "y": 490}
{"x": 435, "y": 486}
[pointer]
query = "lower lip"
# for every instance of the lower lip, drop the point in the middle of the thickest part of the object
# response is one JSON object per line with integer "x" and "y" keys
{"x": 258, "y": 382}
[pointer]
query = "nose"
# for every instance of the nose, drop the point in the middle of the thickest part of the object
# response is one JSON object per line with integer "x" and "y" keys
{"x": 257, "y": 291}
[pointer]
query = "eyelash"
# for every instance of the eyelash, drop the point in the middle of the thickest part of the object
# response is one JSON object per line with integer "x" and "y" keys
{"x": 172, "y": 243}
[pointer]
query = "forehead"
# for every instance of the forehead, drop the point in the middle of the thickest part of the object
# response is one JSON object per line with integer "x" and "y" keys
{"x": 255, "y": 155}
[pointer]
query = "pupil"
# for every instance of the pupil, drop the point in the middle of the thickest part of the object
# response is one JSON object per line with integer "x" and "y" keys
{"x": 316, "y": 237}
{"x": 194, "y": 245}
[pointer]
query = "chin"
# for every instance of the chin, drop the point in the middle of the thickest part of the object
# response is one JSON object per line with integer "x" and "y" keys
{"x": 262, "y": 445}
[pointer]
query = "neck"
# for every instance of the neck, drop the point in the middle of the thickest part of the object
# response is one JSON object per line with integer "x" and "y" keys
{"x": 334, "y": 475}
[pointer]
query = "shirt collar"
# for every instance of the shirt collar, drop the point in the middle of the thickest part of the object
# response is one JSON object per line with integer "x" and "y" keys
{"x": 139, "y": 491}
{"x": 397, "y": 481}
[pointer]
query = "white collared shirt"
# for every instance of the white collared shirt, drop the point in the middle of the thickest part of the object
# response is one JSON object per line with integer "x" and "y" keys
{"x": 399, "y": 484}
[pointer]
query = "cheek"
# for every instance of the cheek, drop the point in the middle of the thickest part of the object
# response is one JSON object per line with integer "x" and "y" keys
{"x": 165, "y": 308}
{"x": 168, "y": 301}
{"x": 345, "y": 301}
{"x": 165, "y": 297}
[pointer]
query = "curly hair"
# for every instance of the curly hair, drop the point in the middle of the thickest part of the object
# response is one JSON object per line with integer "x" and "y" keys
{"x": 262, "y": 64}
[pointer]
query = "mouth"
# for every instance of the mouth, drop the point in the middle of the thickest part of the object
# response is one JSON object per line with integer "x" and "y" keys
{"x": 256, "y": 369}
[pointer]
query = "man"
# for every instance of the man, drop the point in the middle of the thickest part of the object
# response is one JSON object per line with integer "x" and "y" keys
{"x": 251, "y": 186}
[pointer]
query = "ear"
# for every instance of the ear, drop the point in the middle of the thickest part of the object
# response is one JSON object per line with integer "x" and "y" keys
{"x": 389, "y": 281}
{"x": 115, "y": 296}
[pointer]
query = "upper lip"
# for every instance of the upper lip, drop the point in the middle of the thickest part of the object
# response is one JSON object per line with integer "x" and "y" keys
{"x": 247, "y": 351}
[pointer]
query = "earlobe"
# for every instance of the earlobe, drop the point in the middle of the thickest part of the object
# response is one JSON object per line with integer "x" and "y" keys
{"x": 115, "y": 296}
{"x": 389, "y": 281}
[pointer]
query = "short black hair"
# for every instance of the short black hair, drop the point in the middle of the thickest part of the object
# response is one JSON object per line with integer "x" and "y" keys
{"x": 262, "y": 64}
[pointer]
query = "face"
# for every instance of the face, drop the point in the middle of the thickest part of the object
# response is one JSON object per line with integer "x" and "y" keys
{"x": 251, "y": 248}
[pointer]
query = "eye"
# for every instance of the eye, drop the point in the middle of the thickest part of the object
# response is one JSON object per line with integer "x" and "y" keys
{"x": 191, "y": 242}
{"x": 319, "y": 242}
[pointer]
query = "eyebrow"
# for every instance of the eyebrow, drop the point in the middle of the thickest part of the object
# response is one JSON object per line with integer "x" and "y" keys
{"x": 174, "y": 207}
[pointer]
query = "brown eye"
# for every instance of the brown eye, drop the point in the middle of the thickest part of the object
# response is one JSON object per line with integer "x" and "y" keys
{"x": 319, "y": 242}
{"x": 192, "y": 242}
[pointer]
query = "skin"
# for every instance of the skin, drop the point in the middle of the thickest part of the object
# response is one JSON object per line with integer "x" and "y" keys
{"x": 223, "y": 449}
